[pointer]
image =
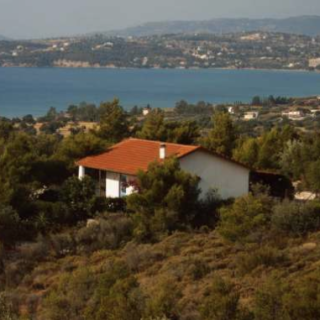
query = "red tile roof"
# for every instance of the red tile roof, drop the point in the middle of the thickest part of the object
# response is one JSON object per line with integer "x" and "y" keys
{"x": 131, "y": 155}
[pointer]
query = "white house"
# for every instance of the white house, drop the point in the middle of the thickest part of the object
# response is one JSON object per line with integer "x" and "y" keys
{"x": 115, "y": 170}
{"x": 294, "y": 115}
{"x": 146, "y": 111}
{"x": 251, "y": 115}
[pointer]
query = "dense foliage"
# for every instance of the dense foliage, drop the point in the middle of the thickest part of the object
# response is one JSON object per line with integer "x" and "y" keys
{"x": 66, "y": 254}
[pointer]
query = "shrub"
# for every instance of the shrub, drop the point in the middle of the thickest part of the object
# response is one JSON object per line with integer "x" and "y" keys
{"x": 303, "y": 301}
{"x": 167, "y": 199}
{"x": 277, "y": 301}
{"x": 264, "y": 256}
{"x": 9, "y": 224}
{"x": 108, "y": 233}
{"x": 117, "y": 295}
{"x": 221, "y": 302}
{"x": 164, "y": 301}
{"x": 6, "y": 309}
{"x": 63, "y": 244}
{"x": 268, "y": 301}
{"x": 79, "y": 196}
{"x": 296, "y": 218}
{"x": 70, "y": 296}
{"x": 198, "y": 268}
{"x": 115, "y": 205}
{"x": 123, "y": 301}
{"x": 245, "y": 219}
{"x": 57, "y": 307}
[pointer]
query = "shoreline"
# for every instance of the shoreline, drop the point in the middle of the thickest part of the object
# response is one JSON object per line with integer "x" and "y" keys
{"x": 162, "y": 69}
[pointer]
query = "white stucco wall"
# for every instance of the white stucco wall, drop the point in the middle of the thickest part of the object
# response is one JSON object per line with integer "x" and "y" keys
{"x": 112, "y": 185}
{"x": 231, "y": 180}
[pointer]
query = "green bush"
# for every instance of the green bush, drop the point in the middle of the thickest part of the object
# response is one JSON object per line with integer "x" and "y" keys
{"x": 296, "y": 218}
{"x": 303, "y": 301}
{"x": 164, "y": 301}
{"x": 107, "y": 233}
{"x": 264, "y": 256}
{"x": 167, "y": 199}
{"x": 80, "y": 199}
{"x": 278, "y": 300}
{"x": 117, "y": 295}
{"x": 246, "y": 219}
{"x": 221, "y": 302}
{"x": 268, "y": 301}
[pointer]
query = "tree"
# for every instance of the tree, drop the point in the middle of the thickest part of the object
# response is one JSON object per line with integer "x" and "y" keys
{"x": 256, "y": 101}
{"x": 113, "y": 124}
{"x": 28, "y": 119}
{"x": 79, "y": 146}
{"x": 272, "y": 145}
{"x": 154, "y": 128}
{"x": 313, "y": 176}
{"x": 79, "y": 197}
{"x": 186, "y": 132}
{"x": 247, "y": 152}
{"x": 167, "y": 198}
{"x": 222, "y": 137}
{"x": 6, "y": 129}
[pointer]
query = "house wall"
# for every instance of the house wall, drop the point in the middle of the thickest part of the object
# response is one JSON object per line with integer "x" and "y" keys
{"x": 113, "y": 185}
{"x": 231, "y": 180}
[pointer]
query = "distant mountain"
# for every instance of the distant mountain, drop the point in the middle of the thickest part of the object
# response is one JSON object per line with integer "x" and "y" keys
{"x": 304, "y": 25}
{"x": 3, "y": 38}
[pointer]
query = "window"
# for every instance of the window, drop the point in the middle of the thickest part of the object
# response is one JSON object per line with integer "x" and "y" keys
{"x": 123, "y": 185}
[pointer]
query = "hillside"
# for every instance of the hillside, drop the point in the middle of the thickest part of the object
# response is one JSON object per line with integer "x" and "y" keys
{"x": 304, "y": 25}
{"x": 258, "y": 50}
{"x": 61, "y": 277}
{"x": 160, "y": 253}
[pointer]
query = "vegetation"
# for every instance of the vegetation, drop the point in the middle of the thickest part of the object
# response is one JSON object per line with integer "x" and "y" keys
{"x": 161, "y": 253}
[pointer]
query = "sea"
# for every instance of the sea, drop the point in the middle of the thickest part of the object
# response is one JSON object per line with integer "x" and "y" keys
{"x": 34, "y": 90}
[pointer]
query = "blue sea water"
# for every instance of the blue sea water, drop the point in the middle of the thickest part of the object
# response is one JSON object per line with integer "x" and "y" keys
{"x": 33, "y": 90}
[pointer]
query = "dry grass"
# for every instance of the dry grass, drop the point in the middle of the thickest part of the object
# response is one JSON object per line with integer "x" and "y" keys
{"x": 190, "y": 260}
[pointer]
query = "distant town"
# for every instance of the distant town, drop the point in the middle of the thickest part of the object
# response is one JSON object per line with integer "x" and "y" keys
{"x": 256, "y": 50}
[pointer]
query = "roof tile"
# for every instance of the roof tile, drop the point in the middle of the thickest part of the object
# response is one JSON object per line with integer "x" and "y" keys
{"x": 132, "y": 155}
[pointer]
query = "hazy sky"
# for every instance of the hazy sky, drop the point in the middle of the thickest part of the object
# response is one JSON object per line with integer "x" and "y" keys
{"x": 41, "y": 18}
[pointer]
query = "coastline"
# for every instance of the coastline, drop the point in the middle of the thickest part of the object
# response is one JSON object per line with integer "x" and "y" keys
{"x": 152, "y": 68}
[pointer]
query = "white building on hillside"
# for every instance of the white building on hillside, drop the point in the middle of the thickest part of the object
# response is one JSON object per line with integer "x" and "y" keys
{"x": 251, "y": 115}
{"x": 115, "y": 170}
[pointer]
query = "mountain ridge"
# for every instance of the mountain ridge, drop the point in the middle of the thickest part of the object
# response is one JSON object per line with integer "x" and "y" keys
{"x": 304, "y": 25}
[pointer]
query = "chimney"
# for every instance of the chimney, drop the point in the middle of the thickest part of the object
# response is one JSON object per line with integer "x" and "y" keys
{"x": 162, "y": 151}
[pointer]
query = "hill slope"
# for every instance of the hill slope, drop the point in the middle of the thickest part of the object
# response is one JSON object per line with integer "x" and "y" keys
{"x": 43, "y": 277}
{"x": 305, "y": 25}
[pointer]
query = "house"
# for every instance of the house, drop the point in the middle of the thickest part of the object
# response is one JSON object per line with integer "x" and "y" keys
{"x": 294, "y": 115}
{"x": 231, "y": 110}
{"x": 252, "y": 115}
{"x": 146, "y": 111}
{"x": 115, "y": 170}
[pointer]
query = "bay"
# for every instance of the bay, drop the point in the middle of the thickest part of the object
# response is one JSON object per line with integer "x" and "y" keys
{"x": 33, "y": 90}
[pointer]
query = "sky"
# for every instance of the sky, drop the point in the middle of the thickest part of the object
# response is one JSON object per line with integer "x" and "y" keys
{"x": 50, "y": 18}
